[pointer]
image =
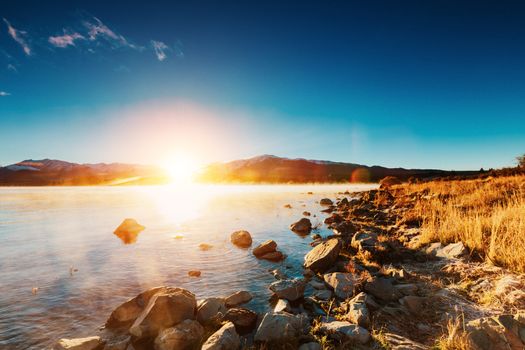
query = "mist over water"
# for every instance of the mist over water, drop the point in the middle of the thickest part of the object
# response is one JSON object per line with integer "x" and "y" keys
{"x": 48, "y": 233}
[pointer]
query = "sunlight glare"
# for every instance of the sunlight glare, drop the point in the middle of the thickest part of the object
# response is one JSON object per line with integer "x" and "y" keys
{"x": 181, "y": 169}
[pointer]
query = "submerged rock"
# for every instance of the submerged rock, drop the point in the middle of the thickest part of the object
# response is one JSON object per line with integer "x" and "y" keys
{"x": 241, "y": 239}
{"x": 303, "y": 226}
{"x": 128, "y": 231}
{"x": 194, "y": 273}
{"x": 205, "y": 246}
{"x": 165, "y": 309}
{"x": 323, "y": 256}
{"x": 264, "y": 248}
{"x": 226, "y": 338}
{"x": 184, "y": 336}
{"x": 273, "y": 256}
{"x": 238, "y": 298}
{"x": 89, "y": 343}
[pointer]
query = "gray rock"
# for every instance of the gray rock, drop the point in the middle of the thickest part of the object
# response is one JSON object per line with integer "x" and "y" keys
{"x": 238, "y": 298}
{"x": 282, "y": 305}
{"x": 323, "y": 294}
{"x": 243, "y": 319}
{"x": 184, "y": 336}
{"x": 382, "y": 288}
{"x": 317, "y": 284}
{"x": 241, "y": 239}
{"x": 343, "y": 330}
{"x": 358, "y": 311}
{"x": 407, "y": 288}
{"x": 452, "y": 251}
{"x": 310, "y": 346}
{"x": 342, "y": 283}
{"x": 288, "y": 289}
{"x": 413, "y": 304}
{"x": 226, "y": 338}
{"x": 397, "y": 342}
{"x": 211, "y": 310}
{"x": 323, "y": 256}
{"x": 88, "y": 343}
{"x": 164, "y": 310}
{"x": 498, "y": 332}
{"x": 281, "y": 328}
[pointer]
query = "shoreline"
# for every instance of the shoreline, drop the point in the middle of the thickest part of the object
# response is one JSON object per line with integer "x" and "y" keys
{"x": 371, "y": 283}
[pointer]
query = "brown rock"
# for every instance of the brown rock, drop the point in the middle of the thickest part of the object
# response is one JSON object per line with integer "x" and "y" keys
{"x": 266, "y": 247}
{"x": 273, "y": 256}
{"x": 323, "y": 256}
{"x": 241, "y": 239}
{"x": 238, "y": 298}
{"x": 243, "y": 319}
{"x": 128, "y": 231}
{"x": 186, "y": 335}
{"x": 194, "y": 273}
{"x": 303, "y": 226}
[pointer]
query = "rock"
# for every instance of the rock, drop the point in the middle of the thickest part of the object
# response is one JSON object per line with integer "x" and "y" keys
{"x": 342, "y": 283}
{"x": 452, "y": 251}
{"x": 358, "y": 311}
{"x": 323, "y": 256}
{"x": 308, "y": 273}
{"x": 365, "y": 241}
{"x": 346, "y": 331}
{"x": 412, "y": 303}
{"x": 433, "y": 248}
{"x": 382, "y": 288}
{"x": 310, "y": 346}
{"x": 264, "y": 248}
{"x": 281, "y": 328}
{"x": 118, "y": 343}
{"x": 165, "y": 309}
{"x": 273, "y": 256}
{"x": 407, "y": 288}
{"x": 282, "y": 305}
{"x": 238, "y": 298}
{"x": 241, "y": 239}
{"x": 278, "y": 274}
{"x": 128, "y": 231}
{"x": 126, "y": 313}
{"x": 326, "y": 201}
{"x": 243, "y": 319}
{"x": 194, "y": 273}
{"x": 205, "y": 246}
{"x": 89, "y": 343}
{"x": 226, "y": 338}
{"x": 499, "y": 332}
{"x": 323, "y": 294}
{"x": 210, "y": 310}
{"x": 288, "y": 206}
{"x": 306, "y": 213}
{"x": 303, "y": 226}
{"x": 317, "y": 284}
{"x": 288, "y": 289}
{"x": 183, "y": 336}
{"x": 397, "y": 342}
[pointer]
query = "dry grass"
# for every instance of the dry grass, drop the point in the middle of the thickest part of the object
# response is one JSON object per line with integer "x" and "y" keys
{"x": 455, "y": 338}
{"x": 487, "y": 215}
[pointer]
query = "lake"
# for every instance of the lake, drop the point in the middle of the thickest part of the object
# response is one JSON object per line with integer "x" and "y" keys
{"x": 60, "y": 240}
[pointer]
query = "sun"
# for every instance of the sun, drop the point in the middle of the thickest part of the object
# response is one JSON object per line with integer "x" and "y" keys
{"x": 181, "y": 169}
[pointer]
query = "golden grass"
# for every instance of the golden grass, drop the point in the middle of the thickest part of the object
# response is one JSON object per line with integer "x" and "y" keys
{"x": 487, "y": 215}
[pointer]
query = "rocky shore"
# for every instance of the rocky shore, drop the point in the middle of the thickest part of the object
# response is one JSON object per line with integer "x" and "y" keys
{"x": 369, "y": 285}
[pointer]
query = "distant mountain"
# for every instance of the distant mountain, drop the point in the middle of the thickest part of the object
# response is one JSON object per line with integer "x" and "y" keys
{"x": 49, "y": 172}
{"x": 273, "y": 169}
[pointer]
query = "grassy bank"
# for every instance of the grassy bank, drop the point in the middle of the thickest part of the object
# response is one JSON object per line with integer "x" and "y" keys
{"x": 487, "y": 215}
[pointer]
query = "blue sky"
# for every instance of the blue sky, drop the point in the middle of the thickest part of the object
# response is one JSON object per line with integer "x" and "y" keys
{"x": 434, "y": 84}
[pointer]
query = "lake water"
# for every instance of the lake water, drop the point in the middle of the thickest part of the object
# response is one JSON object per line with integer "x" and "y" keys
{"x": 47, "y": 233}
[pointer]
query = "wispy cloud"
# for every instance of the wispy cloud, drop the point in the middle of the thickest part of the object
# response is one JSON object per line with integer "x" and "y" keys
{"x": 65, "y": 40}
{"x": 3, "y": 93}
{"x": 160, "y": 49}
{"x": 18, "y": 36}
{"x": 97, "y": 29}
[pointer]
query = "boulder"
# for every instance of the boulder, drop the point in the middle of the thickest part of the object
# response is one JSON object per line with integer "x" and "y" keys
{"x": 89, "y": 343}
{"x": 342, "y": 283}
{"x": 238, "y": 298}
{"x": 226, "y": 338}
{"x": 126, "y": 313}
{"x": 282, "y": 305}
{"x": 128, "y": 231}
{"x": 241, "y": 239}
{"x": 323, "y": 256}
{"x": 303, "y": 226}
{"x": 281, "y": 328}
{"x": 346, "y": 331}
{"x": 264, "y": 248}
{"x": 184, "y": 336}
{"x": 243, "y": 319}
{"x": 273, "y": 256}
{"x": 326, "y": 201}
{"x": 498, "y": 332}
{"x": 310, "y": 346}
{"x": 165, "y": 309}
{"x": 452, "y": 251}
{"x": 288, "y": 289}
{"x": 382, "y": 288}
{"x": 358, "y": 311}
{"x": 210, "y": 310}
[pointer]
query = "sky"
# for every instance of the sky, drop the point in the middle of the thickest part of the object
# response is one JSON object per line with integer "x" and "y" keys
{"x": 417, "y": 84}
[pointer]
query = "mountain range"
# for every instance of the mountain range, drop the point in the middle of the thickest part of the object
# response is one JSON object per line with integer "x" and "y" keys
{"x": 260, "y": 169}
